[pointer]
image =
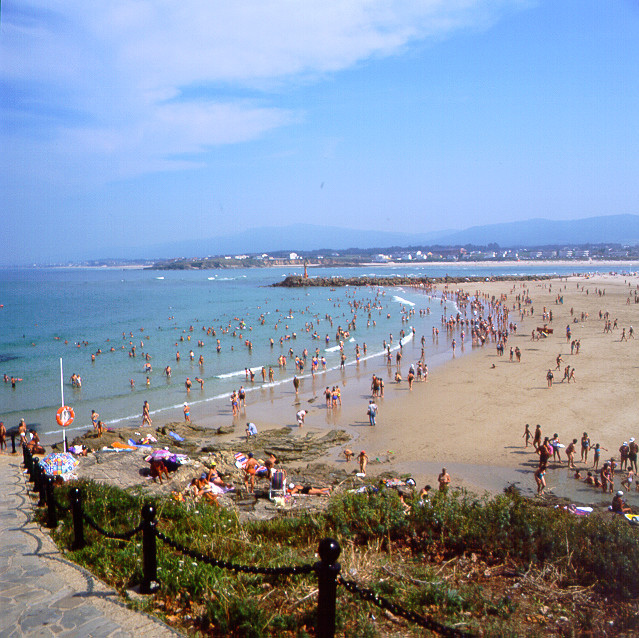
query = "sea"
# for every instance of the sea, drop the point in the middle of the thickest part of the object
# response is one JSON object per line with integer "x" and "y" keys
{"x": 56, "y": 322}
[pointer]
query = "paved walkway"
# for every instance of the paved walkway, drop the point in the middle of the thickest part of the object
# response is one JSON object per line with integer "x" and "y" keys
{"x": 41, "y": 593}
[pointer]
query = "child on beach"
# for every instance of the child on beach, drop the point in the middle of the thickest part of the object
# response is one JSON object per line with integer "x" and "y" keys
{"x": 527, "y": 434}
{"x": 363, "y": 461}
{"x": 597, "y": 454}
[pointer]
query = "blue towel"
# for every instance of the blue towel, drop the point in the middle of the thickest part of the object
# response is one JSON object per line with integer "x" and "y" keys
{"x": 177, "y": 437}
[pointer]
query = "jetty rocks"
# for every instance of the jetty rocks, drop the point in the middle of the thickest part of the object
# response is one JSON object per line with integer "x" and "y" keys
{"x": 298, "y": 281}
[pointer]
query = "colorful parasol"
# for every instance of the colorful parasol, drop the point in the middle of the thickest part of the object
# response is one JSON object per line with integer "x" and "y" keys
{"x": 59, "y": 463}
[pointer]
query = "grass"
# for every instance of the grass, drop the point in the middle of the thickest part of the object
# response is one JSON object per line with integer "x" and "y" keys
{"x": 456, "y": 559}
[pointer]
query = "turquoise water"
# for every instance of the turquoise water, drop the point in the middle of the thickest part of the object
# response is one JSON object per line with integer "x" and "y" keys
{"x": 69, "y": 314}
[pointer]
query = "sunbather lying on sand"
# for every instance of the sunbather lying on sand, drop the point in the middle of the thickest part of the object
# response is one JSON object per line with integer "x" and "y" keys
{"x": 307, "y": 489}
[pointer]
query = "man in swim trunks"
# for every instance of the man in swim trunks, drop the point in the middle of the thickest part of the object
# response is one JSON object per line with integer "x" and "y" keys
{"x": 633, "y": 449}
{"x": 249, "y": 473}
{"x": 187, "y": 413}
{"x": 537, "y": 437}
{"x": 3, "y": 437}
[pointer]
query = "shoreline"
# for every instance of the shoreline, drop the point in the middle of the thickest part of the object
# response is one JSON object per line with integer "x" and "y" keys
{"x": 470, "y": 415}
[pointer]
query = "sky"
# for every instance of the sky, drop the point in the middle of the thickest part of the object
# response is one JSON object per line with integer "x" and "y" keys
{"x": 134, "y": 123}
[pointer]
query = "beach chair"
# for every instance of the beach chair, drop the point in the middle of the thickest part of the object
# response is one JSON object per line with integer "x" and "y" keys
{"x": 278, "y": 484}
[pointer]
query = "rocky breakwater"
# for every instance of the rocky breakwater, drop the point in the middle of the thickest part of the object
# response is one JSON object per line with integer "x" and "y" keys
{"x": 297, "y": 281}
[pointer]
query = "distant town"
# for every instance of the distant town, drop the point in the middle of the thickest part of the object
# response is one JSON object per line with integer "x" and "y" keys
{"x": 431, "y": 254}
{"x": 357, "y": 257}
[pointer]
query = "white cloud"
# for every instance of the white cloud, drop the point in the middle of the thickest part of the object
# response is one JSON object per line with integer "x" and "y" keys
{"x": 119, "y": 69}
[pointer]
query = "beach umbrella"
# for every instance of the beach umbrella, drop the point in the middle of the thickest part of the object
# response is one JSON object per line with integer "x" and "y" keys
{"x": 58, "y": 463}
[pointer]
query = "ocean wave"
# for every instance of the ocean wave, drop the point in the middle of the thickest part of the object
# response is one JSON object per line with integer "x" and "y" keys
{"x": 402, "y": 301}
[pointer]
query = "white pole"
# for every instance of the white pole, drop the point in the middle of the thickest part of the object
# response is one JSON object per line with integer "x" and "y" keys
{"x": 64, "y": 430}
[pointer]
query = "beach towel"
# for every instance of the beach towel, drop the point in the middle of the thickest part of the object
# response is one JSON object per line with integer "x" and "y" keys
{"x": 122, "y": 446}
{"x": 175, "y": 436}
{"x": 138, "y": 445}
{"x": 578, "y": 510}
{"x": 240, "y": 460}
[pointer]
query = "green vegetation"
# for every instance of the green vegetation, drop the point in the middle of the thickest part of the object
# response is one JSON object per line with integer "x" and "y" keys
{"x": 488, "y": 564}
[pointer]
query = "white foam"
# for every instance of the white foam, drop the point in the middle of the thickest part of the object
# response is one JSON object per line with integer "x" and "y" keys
{"x": 402, "y": 301}
{"x": 237, "y": 373}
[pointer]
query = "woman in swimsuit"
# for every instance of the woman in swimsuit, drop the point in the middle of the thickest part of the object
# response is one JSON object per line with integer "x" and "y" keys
{"x": 585, "y": 446}
{"x": 540, "y": 479}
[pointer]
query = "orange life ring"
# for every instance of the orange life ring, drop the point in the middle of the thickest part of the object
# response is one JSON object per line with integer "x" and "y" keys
{"x": 64, "y": 416}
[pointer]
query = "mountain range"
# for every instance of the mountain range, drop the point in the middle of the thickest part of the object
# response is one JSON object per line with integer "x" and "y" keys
{"x": 613, "y": 229}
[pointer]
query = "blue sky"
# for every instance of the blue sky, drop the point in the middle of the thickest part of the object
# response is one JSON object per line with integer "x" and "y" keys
{"x": 132, "y": 123}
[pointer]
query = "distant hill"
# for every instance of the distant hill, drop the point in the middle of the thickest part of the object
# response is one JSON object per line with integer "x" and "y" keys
{"x": 614, "y": 229}
{"x": 617, "y": 229}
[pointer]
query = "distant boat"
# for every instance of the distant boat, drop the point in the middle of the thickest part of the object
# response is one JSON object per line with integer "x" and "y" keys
{"x": 159, "y": 277}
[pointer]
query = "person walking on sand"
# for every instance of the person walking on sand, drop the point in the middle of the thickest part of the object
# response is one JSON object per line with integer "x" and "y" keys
{"x": 549, "y": 377}
{"x": 363, "y": 461}
{"x": 527, "y": 434}
{"x": 146, "y": 414}
{"x": 372, "y": 412}
{"x": 3, "y": 437}
{"x": 94, "y": 419}
{"x": 537, "y": 439}
{"x": 187, "y": 413}
{"x": 296, "y": 385}
{"x": 540, "y": 479}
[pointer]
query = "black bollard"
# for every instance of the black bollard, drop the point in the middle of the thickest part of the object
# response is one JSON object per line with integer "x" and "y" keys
{"x": 43, "y": 489}
{"x": 327, "y": 570}
{"x": 52, "y": 514}
{"x": 75, "y": 500}
{"x": 13, "y": 443}
{"x": 36, "y": 475}
{"x": 34, "y": 468}
{"x": 149, "y": 556}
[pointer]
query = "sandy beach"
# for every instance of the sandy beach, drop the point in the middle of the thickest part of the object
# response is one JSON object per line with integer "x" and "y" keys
{"x": 470, "y": 415}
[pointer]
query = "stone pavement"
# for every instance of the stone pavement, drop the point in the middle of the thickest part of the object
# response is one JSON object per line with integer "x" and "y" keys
{"x": 41, "y": 593}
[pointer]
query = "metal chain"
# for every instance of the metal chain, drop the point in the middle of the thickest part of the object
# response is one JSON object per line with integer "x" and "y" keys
{"x": 428, "y": 623}
{"x": 247, "y": 569}
{"x": 126, "y": 536}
